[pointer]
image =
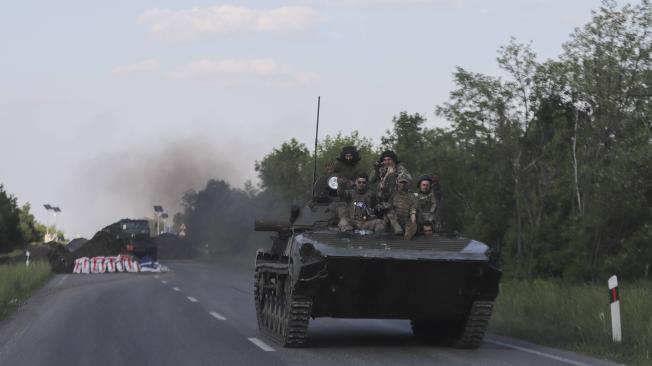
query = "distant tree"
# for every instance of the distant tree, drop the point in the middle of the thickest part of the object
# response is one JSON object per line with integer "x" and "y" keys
{"x": 406, "y": 139}
{"x": 10, "y": 234}
{"x": 31, "y": 230}
{"x": 287, "y": 171}
{"x": 217, "y": 216}
{"x": 177, "y": 221}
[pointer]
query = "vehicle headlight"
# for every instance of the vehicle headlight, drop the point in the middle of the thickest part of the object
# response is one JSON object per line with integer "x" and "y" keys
{"x": 332, "y": 182}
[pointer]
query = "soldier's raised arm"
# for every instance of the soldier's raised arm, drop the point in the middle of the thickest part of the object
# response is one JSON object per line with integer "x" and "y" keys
{"x": 343, "y": 190}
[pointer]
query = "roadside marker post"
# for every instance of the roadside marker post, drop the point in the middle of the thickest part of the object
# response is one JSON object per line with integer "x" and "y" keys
{"x": 27, "y": 254}
{"x": 614, "y": 296}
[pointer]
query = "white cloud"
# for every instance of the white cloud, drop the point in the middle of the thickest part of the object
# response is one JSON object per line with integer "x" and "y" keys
{"x": 403, "y": 3}
{"x": 145, "y": 65}
{"x": 189, "y": 24}
{"x": 265, "y": 72}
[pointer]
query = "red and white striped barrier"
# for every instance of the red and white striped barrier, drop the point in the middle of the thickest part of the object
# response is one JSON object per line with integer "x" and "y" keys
{"x": 119, "y": 267}
{"x": 97, "y": 265}
{"x": 129, "y": 263}
{"x": 119, "y": 263}
{"x": 109, "y": 263}
{"x": 82, "y": 265}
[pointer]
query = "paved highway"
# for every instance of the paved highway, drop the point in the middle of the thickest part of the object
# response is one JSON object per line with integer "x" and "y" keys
{"x": 200, "y": 314}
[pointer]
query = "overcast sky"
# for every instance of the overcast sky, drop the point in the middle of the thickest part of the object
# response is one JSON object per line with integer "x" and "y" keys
{"x": 107, "y": 108}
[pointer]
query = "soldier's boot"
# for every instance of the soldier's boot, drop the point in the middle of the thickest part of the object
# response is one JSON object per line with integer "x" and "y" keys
{"x": 344, "y": 225}
{"x": 393, "y": 222}
{"x": 410, "y": 230}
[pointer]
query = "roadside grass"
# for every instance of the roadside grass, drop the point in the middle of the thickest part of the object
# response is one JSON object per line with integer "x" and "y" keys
{"x": 18, "y": 282}
{"x": 577, "y": 317}
{"x": 11, "y": 255}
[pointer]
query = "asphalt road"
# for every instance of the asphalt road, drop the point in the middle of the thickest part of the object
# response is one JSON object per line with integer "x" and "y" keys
{"x": 200, "y": 314}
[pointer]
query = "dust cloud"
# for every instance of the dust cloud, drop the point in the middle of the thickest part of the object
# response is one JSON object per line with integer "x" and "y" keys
{"x": 129, "y": 181}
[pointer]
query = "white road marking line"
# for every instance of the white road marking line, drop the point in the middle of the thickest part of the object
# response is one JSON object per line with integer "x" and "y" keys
{"x": 62, "y": 280}
{"x": 192, "y": 299}
{"x": 262, "y": 345}
{"x": 164, "y": 282}
{"x": 176, "y": 289}
{"x": 156, "y": 277}
{"x": 217, "y": 315}
{"x": 539, "y": 353}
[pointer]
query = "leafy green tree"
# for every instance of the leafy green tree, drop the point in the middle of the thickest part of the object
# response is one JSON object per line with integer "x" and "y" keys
{"x": 31, "y": 230}
{"x": 406, "y": 139}
{"x": 331, "y": 146}
{"x": 10, "y": 234}
{"x": 607, "y": 71}
{"x": 566, "y": 142}
{"x": 287, "y": 171}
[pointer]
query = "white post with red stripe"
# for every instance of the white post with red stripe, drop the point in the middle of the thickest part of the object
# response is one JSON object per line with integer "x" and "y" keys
{"x": 616, "y": 330}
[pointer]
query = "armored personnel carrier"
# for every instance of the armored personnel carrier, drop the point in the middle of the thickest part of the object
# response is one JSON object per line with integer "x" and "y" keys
{"x": 135, "y": 237}
{"x": 444, "y": 284}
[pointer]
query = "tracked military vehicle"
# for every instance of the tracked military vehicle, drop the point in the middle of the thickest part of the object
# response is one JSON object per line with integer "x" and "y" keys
{"x": 134, "y": 236}
{"x": 444, "y": 284}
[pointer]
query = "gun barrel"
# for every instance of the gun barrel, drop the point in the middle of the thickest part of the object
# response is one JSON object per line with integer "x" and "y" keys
{"x": 270, "y": 225}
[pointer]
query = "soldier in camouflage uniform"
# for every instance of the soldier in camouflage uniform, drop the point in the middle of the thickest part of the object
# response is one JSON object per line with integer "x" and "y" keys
{"x": 387, "y": 169}
{"x": 428, "y": 198}
{"x": 360, "y": 206}
{"x": 347, "y": 163}
{"x": 401, "y": 209}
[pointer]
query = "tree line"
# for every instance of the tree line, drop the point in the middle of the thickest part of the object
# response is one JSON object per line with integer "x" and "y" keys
{"x": 17, "y": 224}
{"x": 550, "y": 163}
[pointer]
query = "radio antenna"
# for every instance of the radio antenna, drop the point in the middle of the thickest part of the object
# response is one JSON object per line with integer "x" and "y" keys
{"x": 314, "y": 172}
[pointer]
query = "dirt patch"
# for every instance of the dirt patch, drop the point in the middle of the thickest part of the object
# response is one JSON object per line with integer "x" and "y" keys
{"x": 76, "y": 244}
{"x": 102, "y": 244}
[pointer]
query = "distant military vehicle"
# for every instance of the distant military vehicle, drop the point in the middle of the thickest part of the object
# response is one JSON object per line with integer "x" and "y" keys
{"x": 444, "y": 284}
{"x": 135, "y": 236}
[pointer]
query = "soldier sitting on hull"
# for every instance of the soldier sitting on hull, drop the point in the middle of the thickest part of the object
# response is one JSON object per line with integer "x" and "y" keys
{"x": 428, "y": 198}
{"x": 387, "y": 169}
{"x": 401, "y": 209}
{"x": 427, "y": 229}
{"x": 346, "y": 164}
{"x": 361, "y": 203}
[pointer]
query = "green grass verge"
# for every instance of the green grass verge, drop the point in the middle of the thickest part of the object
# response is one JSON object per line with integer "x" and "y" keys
{"x": 13, "y": 254}
{"x": 18, "y": 282}
{"x": 577, "y": 318}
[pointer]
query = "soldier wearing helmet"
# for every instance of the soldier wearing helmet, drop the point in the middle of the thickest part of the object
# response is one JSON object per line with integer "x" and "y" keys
{"x": 401, "y": 208}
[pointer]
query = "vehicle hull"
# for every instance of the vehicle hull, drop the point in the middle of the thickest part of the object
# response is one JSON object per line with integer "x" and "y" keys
{"x": 381, "y": 288}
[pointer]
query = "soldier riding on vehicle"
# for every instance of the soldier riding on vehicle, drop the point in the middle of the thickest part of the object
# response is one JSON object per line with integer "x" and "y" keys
{"x": 428, "y": 209}
{"x": 346, "y": 164}
{"x": 387, "y": 169}
{"x": 361, "y": 204}
{"x": 401, "y": 208}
